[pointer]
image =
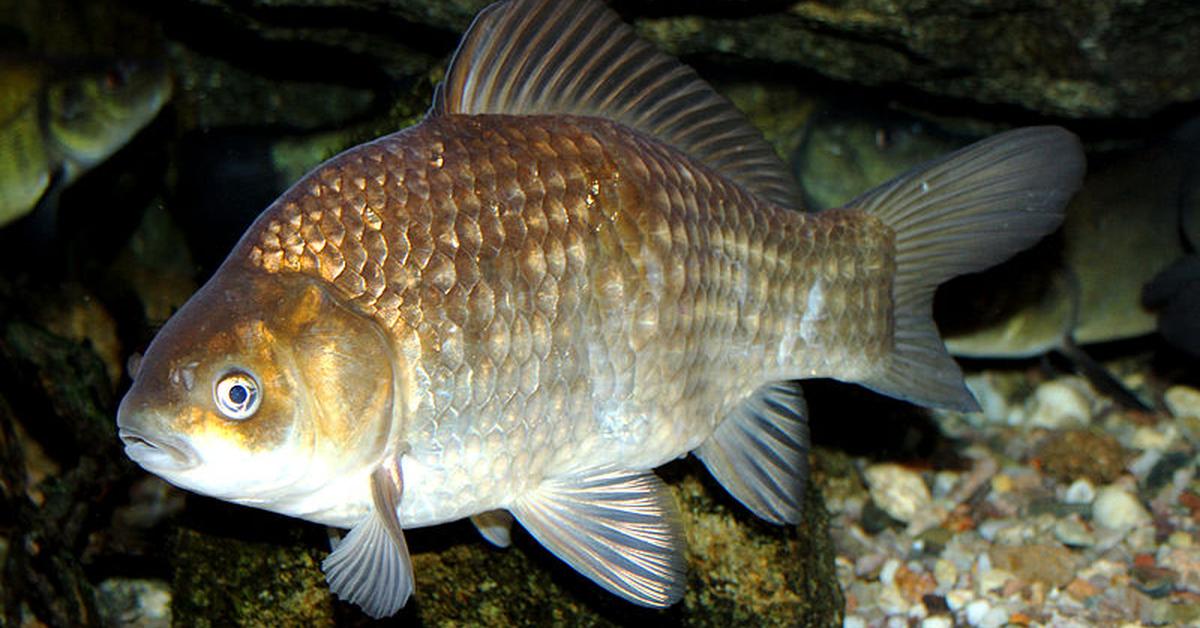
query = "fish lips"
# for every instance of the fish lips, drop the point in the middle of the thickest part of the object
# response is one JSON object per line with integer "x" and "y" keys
{"x": 158, "y": 454}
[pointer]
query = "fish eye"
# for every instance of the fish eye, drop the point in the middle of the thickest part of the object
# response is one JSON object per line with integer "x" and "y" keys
{"x": 237, "y": 396}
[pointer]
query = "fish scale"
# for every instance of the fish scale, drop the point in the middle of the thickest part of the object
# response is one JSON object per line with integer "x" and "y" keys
{"x": 615, "y": 285}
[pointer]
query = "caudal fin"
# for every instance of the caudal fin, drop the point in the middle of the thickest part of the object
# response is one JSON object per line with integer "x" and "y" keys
{"x": 959, "y": 214}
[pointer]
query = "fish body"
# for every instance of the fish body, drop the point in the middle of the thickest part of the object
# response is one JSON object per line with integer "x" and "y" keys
{"x": 59, "y": 120}
{"x": 547, "y": 267}
{"x": 572, "y": 271}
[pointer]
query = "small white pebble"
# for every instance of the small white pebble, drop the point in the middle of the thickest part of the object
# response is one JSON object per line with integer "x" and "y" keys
{"x": 1146, "y": 437}
{"x": 959, "y": 598}
{"x": 1060, "y": 403}
{"x": 868, "y": 565}
{"x": 891, "y": 601}
{"x": 854, "y": 621}
{"x": 897, "y": 490}
{"x": 945, "y": 573}
{"x": 976, "y": 611}
{"x": 989, "y": 529}
{"x": 1116, "y": 509}
{"x": 1073, "y": 533}
{"x": 993, "y": 580}
{"x": 937, "y": 621}
{"x": 1143, "y": 464}
{"x": 1081, "y": 491}
{"x": 887, "y": 574}
{"x": 1182, "y": 401}
{"x": 991, "y": 401}
{"x": 944, "y": 482}
{"x": 994, "y": 618}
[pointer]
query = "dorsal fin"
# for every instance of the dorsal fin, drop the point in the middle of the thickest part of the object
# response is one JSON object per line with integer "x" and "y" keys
{"x": 576, "y": 57}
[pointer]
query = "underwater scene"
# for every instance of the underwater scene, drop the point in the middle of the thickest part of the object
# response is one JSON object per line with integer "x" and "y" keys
{"x": 574, "y": 312}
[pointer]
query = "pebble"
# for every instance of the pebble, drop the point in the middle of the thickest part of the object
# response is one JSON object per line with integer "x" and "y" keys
{"x": 992, "y": 403}
{"x": 134, "y": 603}
{"x": 854, "y": 621}
{"x": 897, "y": 490}
{"x": 990, "y": 529}
{"x": 1081, "y": 491}
{"x": 1116, "y": 509}
{"x": 1061, "y": 403}
{"x": 1182, "y": 401}
{"x": 945, "y": 573}
{"x": 976, "y": 611}
{"x": 1052, "y": 565}
{"x": 1146, "y": 437}
{"x": 1082, "y": 453}
{"x": 1073, "y": 533}
{"x": 959, "y": 598}
{"x": 938, "y": 621}
{"x": 995, "y": 618}
{"x": 887, "y": 574}
{"x": 992, "y": 580}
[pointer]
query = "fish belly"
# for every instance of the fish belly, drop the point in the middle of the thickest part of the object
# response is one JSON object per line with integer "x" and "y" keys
{"x": 567, "y": 295}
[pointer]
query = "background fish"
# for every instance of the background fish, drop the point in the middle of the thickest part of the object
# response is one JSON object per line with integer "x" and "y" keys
{"x": 58, "y": 120}
{"x": 582, "y": 264}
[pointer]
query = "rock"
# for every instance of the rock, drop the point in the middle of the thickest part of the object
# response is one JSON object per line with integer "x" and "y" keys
{"x": 1073, "y": 533}
{"x": 976, "y": 611}
{"x": 134, "y": 603}
{"x": 1074, "y": 58}
{"x": 1184, "y": 561}
{"x": 939, "y": 621}
{"x": 1059, "y": 403}
{"x": 1158, "y": 437}
{"x": 1182, "y": 401}
{"x": 1072, "y": 454}
{"x": 897, "y": 490}
{"x": 741, "y": 570}
{"x": 1115, "y": 508}
{"x": 1081, "y": 491}
{"x": 945, "y": 573}
{"x": 842, "y": 156}
{"x": 1050, "y": 564}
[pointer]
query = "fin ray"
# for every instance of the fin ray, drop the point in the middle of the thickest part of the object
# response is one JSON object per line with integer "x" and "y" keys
{"x": 371, "y": 567}
{"x": 576, "y": 57}
{"x": 759, "y": 453}
{"x": 619, "y": 528}
{"x": 959, "y": 214}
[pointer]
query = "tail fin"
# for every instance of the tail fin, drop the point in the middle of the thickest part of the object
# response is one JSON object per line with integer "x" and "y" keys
{"x": 960, "y": 214}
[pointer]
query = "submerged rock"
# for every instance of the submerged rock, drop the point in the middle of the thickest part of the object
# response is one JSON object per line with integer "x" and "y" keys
{"x": 740, "y": 571}
{"x": 1076, "y": 58}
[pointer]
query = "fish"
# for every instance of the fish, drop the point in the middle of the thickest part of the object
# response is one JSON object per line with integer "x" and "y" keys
{"x": 583, "y": 263}
{"x": 59, "y": 119}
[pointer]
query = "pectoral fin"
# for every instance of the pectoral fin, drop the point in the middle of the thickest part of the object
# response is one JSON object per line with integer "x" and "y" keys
{"x": 619, "y": 528}
{"x": 371, "y": 566}
{"x": 495, "y": 526}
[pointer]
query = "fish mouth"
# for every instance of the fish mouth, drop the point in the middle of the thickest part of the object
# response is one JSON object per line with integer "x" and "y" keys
{"x": 158, "y": 454}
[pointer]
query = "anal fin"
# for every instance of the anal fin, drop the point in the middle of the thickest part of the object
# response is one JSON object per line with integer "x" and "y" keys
{"x": 620, "y": 528}
{"x": 371, "y": 566}
{"x": 495, "y": 526}
{"x": 759, "y": 453}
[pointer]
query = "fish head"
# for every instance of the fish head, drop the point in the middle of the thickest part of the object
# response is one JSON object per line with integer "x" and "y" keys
{"x": 263, "y": 389}
{"x": 94, "y": 111}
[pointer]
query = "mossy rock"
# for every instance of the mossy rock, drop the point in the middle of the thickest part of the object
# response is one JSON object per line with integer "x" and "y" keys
{"x": 740, "y": 571}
